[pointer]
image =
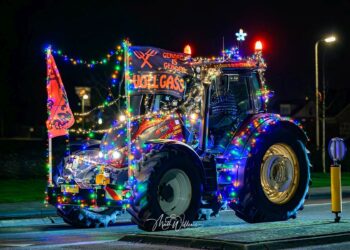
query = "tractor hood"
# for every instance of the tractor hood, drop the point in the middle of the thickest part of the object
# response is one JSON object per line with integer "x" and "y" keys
{"x": 113, "y": 148}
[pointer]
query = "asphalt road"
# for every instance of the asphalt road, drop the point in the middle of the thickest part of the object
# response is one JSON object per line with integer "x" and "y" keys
{"x": 54, "y": 234}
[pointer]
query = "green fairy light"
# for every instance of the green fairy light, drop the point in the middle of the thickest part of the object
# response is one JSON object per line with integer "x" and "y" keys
{"x": 141, "y": 187}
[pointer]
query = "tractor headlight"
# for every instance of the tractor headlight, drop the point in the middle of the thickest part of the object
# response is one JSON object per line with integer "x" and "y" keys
{"x": 116, "y": 155}
{"x": 100, "y": 154}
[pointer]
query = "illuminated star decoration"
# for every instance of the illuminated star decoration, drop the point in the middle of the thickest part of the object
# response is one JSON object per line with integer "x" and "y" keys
{"x": 241, "y": 35}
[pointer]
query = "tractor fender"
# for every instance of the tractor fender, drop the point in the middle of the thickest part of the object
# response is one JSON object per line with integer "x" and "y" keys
{"x": 244, "y": 141}
{"x": 177, "y": 145}
{"x": 246, "y": 136}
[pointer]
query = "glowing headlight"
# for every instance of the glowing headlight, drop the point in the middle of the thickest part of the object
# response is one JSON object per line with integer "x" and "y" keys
{"x": 100, "y": 154}
{"x": 122, "y": 118}
{"x": 116, "y": 154}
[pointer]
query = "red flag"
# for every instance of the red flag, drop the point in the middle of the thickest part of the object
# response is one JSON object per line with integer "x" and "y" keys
{"x": 60, "y": 115}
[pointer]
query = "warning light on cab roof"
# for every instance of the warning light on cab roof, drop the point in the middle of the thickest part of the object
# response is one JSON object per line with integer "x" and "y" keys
{"x": 258, "y": 46}
{"x": 187, "y": 50}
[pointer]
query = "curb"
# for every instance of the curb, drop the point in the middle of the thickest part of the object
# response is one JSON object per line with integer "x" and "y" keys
{"x": 27, "y": 215}
{"x": 32, "y": 222}
{"x": 222, "y": 244}
{"x": 319, "y": 196}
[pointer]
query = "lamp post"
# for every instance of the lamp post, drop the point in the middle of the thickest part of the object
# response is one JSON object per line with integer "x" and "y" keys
{"x": 329, "y": 39}
{"x": 85, "y": 97}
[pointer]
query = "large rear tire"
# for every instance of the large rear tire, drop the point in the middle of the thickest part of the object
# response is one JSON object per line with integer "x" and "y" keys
{"x": 167, "y": 195}
{"x": 276, "y": 178}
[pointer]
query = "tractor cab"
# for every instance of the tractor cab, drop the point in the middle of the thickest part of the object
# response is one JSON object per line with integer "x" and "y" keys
{"x": 233, "y": 93}
{"x": 234, "y": 96}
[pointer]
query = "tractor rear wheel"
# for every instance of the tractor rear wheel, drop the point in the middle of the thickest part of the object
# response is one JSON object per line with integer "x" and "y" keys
{"x": 168, "y": 193}
{"x": 276, "y": 178}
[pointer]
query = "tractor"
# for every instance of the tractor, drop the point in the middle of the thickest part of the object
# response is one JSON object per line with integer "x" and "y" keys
{"x": 187, "y": 146}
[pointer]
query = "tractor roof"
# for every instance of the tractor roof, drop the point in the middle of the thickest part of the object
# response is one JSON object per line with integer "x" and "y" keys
{"x": 249, "y": 63}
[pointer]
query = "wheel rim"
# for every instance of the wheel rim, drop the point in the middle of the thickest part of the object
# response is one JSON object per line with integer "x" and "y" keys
{"x": 174, "y": 192}
{"x": 280, "y": 173}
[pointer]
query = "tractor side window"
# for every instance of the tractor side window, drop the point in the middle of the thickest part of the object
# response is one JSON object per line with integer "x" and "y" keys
{"x": 230, "y": 96}
{"x": 238, "y": 87}
{"x": 229, "y": 105}
{"x": 255, "y": 86}
{"x": 135, "y": 104}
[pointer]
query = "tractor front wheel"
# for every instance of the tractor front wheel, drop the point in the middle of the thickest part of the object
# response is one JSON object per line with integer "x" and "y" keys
{"x": 168, "y": 192}
{"x": 83, "y": 217}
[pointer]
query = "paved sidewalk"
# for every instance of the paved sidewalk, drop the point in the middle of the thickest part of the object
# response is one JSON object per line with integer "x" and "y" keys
{"x": 37, "y": 209}
{"x": 19, "y": 210}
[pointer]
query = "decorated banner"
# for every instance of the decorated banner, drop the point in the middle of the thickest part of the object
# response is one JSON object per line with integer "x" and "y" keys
{"x": 159, "y": 71}
{"x": 60, "y": 115}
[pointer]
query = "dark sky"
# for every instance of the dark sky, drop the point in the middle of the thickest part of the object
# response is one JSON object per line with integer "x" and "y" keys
{"x": 89, "y": 29}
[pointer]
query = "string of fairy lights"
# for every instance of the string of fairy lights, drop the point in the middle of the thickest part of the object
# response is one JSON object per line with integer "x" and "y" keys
{"x": 117, "y": 54}
{"x": 88, "y": 63}
{"x": 114, "y": 56}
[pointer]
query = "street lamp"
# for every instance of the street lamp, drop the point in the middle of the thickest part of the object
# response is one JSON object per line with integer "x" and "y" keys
{"x": 329, "y": 39}
{"x": 85, "y": 97}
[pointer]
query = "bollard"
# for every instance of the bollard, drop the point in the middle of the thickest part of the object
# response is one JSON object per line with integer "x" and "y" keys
{"x": 336, "y": 150}
{"x": 336, "y": 194}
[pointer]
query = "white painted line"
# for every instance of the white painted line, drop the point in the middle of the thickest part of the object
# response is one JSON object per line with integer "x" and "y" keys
{"x": 322, "y": 204}
{"x": 307, "y": 205}
{"x": 14, "y": 245}
{"x": 76, "y": 243}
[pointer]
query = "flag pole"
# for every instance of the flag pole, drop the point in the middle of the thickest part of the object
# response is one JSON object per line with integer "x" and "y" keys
{"x": 50, "y": 161}
{"x": 48, "y": 53}
{"x": 57, "y": 102}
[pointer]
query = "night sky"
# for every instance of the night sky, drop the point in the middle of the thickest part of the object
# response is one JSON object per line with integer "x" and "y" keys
{"x": 89, "y": 29}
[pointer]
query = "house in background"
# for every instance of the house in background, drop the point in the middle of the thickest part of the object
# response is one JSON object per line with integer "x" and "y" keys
{"x": 339, "y": 125}
{"x": 337, "y": 121}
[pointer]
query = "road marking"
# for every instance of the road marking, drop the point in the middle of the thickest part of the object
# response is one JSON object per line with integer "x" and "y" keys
{"x": 78, "y": 243}
{"x": 307, "y": 205}
{"x": 14, "y": 245}
{"x": 321, "y": 204}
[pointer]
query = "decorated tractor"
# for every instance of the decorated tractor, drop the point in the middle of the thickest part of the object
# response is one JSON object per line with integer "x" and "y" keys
{"x": 193, "y": 138}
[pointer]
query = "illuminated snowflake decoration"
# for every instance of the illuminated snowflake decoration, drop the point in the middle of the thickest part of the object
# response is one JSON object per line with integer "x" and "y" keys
{"x": 241, "y": 35}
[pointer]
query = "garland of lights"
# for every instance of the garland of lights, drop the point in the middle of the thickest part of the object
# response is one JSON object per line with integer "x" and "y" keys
{"x": 190, "y": 105}
{"x": 117, "y": 52}
{"x": 99, "y": 107}
{"x": 87, "y": 63}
